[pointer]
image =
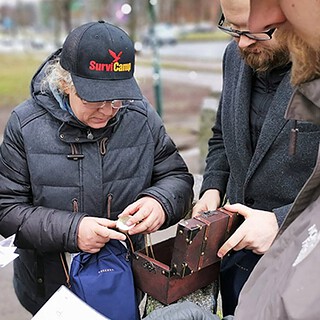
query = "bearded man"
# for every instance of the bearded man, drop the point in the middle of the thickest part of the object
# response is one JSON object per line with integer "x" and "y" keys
{"x": 248, "y": 162}
{"x": 285, "y": 283}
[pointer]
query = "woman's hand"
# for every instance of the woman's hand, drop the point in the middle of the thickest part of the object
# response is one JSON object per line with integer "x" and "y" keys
{"x": 147, "y": 215}
{"x": 95, "y": 232}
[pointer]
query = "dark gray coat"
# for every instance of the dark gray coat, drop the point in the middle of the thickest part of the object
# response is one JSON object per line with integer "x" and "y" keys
{"x": 52, "y": 165}
{"x": 268, "y": 178}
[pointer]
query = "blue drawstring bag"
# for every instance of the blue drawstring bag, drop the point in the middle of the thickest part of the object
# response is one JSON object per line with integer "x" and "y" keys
{"x": 104, "y": 280}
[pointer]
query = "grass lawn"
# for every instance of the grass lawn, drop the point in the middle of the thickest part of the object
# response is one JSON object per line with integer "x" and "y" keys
{"x": 205, "y": 36}
{"x": 16, "y": 71}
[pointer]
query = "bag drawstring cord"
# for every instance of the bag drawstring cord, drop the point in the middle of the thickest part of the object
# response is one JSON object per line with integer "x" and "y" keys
{"x": 75, "y": 208}
{"x": 148, "y": 245}
{"x": 62, "y": 258}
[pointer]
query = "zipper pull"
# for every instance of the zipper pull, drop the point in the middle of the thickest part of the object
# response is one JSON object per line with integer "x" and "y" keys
{"x": 89, "y": 135}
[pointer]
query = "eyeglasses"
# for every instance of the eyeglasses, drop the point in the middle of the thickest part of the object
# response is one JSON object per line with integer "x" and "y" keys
{"x": 259, "y": 36}
{"x": 115, "y": 104}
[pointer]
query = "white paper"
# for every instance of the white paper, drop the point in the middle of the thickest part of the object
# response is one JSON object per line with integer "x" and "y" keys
{"x": 65, "y": 305}
{"x": 7, "y": 251}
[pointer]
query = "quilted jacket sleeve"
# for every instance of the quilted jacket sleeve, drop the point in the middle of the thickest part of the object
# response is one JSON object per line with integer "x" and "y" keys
{"x": 42, "y": 228}
{"x": 172, "y": 183}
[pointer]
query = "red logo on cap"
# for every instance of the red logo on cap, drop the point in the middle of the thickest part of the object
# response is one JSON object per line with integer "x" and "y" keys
{"x": 116, "y": 57}
{"x": 114, "y": 66}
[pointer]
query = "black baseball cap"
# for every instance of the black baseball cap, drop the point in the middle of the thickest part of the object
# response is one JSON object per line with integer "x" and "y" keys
{"x": 100, "y": 58}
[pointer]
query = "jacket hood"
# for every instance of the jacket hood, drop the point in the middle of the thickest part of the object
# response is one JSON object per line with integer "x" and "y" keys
{"x": 45, "y": 98}
{"x": 305, "y": 103}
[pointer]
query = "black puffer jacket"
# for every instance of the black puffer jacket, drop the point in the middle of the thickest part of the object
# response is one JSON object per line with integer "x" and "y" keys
{"x": 51, "y": 165}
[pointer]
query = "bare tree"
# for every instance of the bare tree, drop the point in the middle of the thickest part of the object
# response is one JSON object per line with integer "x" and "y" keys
{"x": 65, "y": 7}
{"x": 133, "y": 20}
{"x": 62, "y": 16}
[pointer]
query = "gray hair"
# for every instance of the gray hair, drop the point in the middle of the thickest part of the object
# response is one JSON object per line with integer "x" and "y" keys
{"x": 56, "y": 77}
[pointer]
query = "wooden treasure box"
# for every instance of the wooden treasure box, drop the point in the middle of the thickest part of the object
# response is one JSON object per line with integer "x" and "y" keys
{"x": 186, "y": 262}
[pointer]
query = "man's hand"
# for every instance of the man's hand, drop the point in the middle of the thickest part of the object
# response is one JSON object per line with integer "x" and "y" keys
{"x": 146, "y": 214}
{"x": 256, "y": 233}
{"x": 95, "y": 232}
{"x": 209, "y": 201}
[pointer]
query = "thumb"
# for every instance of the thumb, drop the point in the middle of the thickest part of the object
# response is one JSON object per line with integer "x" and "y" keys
{"x": 105, "y": 230}
{"x": 238, "y": 208}
{"x": 198, "y": 208}
{"x": 129, "y": 210}
{"x": 106, "y": 222}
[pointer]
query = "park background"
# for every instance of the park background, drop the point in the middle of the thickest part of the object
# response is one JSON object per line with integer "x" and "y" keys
{"x": 178, "y": 67}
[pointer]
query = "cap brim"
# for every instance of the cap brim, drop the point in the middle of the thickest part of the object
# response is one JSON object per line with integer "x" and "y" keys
{"x": 102, "y": 90}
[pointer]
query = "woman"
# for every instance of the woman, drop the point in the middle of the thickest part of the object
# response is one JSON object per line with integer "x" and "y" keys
{"x": 85, "y": 146}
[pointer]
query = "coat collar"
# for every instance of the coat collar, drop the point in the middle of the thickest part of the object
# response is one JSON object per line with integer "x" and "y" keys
{"x": 305, "y": 103}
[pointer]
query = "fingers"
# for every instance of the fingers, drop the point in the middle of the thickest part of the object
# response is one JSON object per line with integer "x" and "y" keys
{"x": 148, "y": 225}
{"x": 239, "y": 208}
{"x": 107, "y": 233}
{"x": 136, "y": 212}
{"x": 96, "y": 242}
{"x": 93, "y": 233}
{"x": 146, "y": 214}
{"x": 258, "y": 252}
{"x": 130, "y": 210}
{"x": 256, "y": 233}
{"x": 139, "y": 216}
{"x": 148, "y": 221}
{"x": 210, "y": 200}
{"x": 106, "y": 222}
{"x": 198, "y": 208}
{"x": 234, "y": 242}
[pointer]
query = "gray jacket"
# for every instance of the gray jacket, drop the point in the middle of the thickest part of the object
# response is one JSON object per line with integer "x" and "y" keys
{"x": 285, "y": 283}
{"x": 54, "y": 171}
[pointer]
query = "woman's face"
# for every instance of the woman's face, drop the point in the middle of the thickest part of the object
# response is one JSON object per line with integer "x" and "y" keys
{"x": 93, "y": 114}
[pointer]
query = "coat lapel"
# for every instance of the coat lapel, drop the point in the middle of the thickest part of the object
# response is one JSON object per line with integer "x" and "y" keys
{"x": 242, "y": 113}
{"x": 273, "y": 123}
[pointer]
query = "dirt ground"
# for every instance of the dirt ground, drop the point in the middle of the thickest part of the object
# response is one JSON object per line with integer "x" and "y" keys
{"x": 181, "y": 111}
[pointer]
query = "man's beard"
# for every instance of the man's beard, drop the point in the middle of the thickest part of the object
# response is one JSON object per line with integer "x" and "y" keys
{"x": 267, "y": 58}
{"x": 305, "y": 59}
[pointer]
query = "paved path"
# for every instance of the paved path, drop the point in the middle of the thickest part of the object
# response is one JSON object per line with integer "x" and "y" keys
{"x": 10, "y": 308}
{"x": 212, "y": 80}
